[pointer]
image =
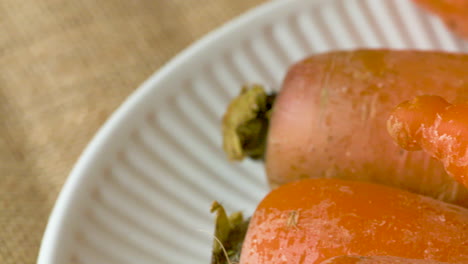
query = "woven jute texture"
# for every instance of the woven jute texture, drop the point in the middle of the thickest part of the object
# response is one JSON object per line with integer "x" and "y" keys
{"x": 65, "y": 66}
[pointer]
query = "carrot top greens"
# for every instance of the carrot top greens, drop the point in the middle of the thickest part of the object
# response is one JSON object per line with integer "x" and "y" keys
{"x": 245, "y": 123}
{"x": 229, "y": 235}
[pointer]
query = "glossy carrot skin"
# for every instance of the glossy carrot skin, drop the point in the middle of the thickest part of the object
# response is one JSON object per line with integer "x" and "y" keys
{"x": 378, "y": 260}
{"x": 329, "y": 119}
{"x": 454, "y": 13}
{"x": 312, "y": 220}
{"x": 436, "y": 126}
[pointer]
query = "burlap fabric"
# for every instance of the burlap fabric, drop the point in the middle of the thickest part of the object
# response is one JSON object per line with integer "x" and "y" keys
{"x": 65, "y": 66}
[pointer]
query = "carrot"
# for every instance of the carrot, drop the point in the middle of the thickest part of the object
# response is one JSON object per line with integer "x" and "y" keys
{"x": 439, "y": 128}
{"x": 329, "y": 119}
{"x": 378, "y": 260}
{"x": 454, "y": 13}
{"x": 312, "y": 220}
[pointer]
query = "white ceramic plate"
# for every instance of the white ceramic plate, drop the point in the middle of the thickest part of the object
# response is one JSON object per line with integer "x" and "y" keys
{"x": 141, "y": 191}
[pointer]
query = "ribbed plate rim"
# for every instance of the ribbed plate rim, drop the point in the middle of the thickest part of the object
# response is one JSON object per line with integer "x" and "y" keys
{"x": 123, "y": 115}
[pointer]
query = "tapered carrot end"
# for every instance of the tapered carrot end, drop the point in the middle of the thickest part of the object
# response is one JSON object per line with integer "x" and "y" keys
{"x": 440, "y": 129}
{"x": 399, "y": 126}
{"x": 408, "y": 120}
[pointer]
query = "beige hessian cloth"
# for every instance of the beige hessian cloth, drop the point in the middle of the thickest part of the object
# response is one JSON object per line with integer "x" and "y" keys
{"x": 65, "y": 66}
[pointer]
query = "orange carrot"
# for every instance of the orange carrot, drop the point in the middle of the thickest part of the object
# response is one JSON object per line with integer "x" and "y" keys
{"x": 329, "y": 120}
{"x": 439, "y": 128}
{"x": 312, "y": 220}
{"x": 454, "y": 13}
{"x": 378, "y": 260}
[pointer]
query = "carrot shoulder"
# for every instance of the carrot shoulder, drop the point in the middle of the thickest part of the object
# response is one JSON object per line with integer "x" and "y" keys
{"x": 436, "y": 126}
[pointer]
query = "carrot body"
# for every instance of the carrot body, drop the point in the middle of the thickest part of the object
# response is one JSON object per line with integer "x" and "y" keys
{"x": 312, "y": 220}
{"x": 378, "y": 260}
{"x": 329, "y": 119}
{"x": 454, "y": 13}
{"x": 439, "y": 128}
